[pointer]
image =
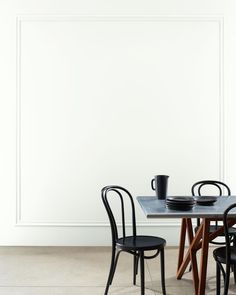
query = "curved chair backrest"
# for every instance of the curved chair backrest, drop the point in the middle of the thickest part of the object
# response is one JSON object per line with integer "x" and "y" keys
{"x": 227, "y": 236}
{"x": 120, "y": 192}
{"x": 198, "y": 186}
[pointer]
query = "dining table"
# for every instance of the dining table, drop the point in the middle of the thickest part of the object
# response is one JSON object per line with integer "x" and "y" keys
{"x": 199, "y": 241}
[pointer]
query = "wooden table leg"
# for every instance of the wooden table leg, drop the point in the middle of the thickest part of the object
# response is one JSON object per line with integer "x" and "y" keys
{"x": 204, "y": 256}
{"x": 199, "y": 241}
{"x": 182, "y": 242}
{"x": 189, "y": 230}
{"x": 193, "y": 257}
{"x": 186, "y": 226}
{"x": 194, "y": 245}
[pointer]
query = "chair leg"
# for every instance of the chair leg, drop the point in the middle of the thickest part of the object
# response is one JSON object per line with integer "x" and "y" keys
{"x": 142, "y": 274}
{"x": 162, "y": 257}
{"x": 234, "y": 266}
{"x": 190, "y": 268}
{"x": 114, "y": 266}
{"x": 227, "y": 274}
{"x": 134, "y": 270}
{"x": 111, "y": 272}
{"x": 234, "y": 270}
{"x": 217, "y": 279}
{"x": 234, "y": 241}
{"x": 136, "y": 258}
{"x": 137, "y": 265}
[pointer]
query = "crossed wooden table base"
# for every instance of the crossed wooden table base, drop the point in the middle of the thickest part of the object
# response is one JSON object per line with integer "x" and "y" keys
{"x": 196, "y": 242}
{"x": 155, "y": 208}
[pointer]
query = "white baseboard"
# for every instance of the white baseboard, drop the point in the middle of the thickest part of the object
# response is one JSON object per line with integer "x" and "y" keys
{"x": 82, "y": 236}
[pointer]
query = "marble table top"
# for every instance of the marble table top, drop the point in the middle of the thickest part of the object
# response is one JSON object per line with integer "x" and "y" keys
{"x": 155, "y": 208}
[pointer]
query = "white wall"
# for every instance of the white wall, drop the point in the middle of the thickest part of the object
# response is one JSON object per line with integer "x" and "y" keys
{"x": 96, "y": 93}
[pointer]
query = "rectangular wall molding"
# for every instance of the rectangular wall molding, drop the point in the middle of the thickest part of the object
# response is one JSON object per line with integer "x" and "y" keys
{"x": 217, "y": 20}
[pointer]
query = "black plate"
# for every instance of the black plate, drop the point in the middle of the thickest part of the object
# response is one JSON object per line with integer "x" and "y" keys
{"x": 206, "y": 201}
{"x": 180, "y": 200}
{"x": 180, "y": 208}
{"x": 177, "y": 203}
{"x": 180, "y": 205}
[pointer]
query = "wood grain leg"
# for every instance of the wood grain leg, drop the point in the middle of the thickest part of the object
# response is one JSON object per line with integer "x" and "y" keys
{"x": 194, "y": 245}
{"x": 190, "y": 235}
{"x": 184, "y": 265}
{"x": 189, "y": 230}
{"x": 193, "y": 257}
{"x": 182, "y": 242}
{"x": 204, "y": 257}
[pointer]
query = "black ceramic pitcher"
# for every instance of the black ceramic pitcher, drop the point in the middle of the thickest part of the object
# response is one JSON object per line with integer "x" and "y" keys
{"x": 159, "y": 184}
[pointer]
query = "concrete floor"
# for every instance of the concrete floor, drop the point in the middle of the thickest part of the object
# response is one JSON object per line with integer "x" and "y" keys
{"x": 84, "y": 270}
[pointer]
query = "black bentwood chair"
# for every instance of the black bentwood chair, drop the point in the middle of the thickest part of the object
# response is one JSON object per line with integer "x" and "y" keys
{"x": 197, "y": 190}
{"x": 133, "y": 244}
{"x": 225, "y": 255}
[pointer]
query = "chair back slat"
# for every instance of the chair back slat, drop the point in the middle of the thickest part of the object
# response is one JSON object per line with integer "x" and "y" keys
{"x": 107, "y": 193}
{"x": 111, "y": 217}
{"x": 196, "y": 188}
{"x": 122, "y": 211}
{"x": 206, "y": 184}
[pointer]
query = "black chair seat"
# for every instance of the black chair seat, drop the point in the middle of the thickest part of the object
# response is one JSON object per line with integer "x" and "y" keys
{"x": 220, "y": 255}
{"x": 144, "y": 243}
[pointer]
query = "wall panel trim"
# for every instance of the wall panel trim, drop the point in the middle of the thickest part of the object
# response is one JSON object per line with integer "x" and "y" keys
{"x": 111, "y": 18}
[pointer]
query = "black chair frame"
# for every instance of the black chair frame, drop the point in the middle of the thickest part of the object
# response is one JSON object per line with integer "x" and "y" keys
{"x": 196, "y": 191}
{"x": 119, "y": 244}
{"x": 225, "y": 258}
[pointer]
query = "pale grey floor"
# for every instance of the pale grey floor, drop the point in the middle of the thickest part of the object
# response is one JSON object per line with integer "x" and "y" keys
{"x": 83, "y": 271}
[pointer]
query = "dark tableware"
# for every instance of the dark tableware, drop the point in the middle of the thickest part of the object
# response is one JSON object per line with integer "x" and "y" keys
{"x": 179, "y": 207}
{"x": 180, "y": 200}
{"x": 206, "y": 201}
{"x": 159, "y": 184}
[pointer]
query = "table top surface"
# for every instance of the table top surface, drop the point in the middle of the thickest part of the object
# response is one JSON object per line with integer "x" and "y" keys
{"x": 155, "y": 208}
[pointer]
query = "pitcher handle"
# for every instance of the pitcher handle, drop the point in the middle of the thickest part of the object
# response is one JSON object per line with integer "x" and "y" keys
{"x": 152, "y": 184}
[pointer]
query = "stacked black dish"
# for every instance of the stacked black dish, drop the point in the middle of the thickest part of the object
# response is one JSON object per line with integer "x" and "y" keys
{"x": 206, "y": 200}
{"x": 180, "y": 203}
